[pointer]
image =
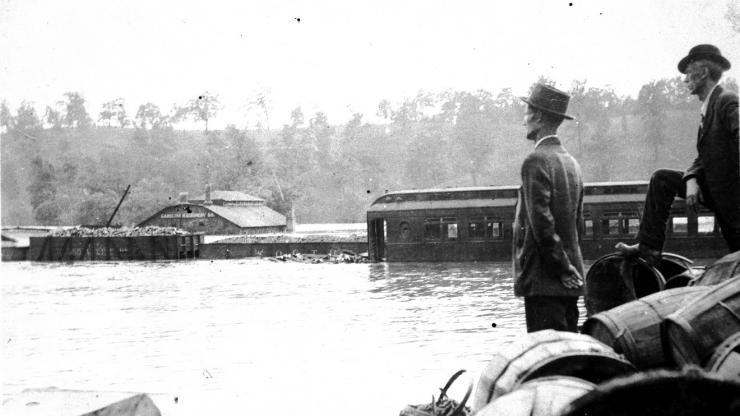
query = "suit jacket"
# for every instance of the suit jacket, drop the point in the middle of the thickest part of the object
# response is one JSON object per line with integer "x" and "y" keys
{"x": 548, "y": 222}
{"x": 717, "y": 166}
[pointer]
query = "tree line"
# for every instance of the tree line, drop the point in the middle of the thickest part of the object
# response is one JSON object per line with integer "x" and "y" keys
{"x": 64, "y": 168}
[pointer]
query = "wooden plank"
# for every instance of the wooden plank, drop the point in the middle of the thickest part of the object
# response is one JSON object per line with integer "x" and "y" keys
{"x": 65, "y": 247}
{"x": 156, "y": 247}
{"x": 88, "y": 241}
{"x": 43, "y": 248}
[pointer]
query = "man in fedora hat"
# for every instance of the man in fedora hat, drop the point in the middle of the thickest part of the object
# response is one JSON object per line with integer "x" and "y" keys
{"x": 713, "y": 180}
{"x": 548, "y": 265}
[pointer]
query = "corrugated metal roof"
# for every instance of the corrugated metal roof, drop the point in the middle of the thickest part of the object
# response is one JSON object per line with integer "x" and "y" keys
{"x": 230, "y": 196}
{"x": 255, "y": 216}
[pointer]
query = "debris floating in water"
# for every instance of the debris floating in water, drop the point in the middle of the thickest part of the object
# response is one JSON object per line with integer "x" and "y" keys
{"x": 335, "y": 256}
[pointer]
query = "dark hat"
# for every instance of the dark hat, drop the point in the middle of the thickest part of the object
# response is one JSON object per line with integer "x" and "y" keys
{"x": 709, "y": 52}
{"x": 549, "y": 99}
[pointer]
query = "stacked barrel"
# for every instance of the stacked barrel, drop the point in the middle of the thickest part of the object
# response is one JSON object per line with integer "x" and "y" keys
{"x": 654, "y": 347}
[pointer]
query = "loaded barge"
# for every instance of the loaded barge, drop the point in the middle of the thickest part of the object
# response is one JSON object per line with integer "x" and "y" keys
{"x": 147, "y": 243}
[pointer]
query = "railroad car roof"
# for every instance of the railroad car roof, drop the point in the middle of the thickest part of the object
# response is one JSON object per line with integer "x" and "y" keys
{"x": 441, "y": 204}
{"x": 488, "y": 193}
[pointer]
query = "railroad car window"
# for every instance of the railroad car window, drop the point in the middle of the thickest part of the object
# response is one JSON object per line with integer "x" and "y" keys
{"x": 451, "y": 231}
{"x": 404, "y": 231}
{"x": 614, "y": 227}
{"x": 706, "y": 224}
{"x": 679, "y": 225}
{"x": 588, "y": 228}
{"x": 476, "y": 229}
{"x": 610, "y": 226}
{"x": 632, "y": 225}
{"x": 450, "y": 228}
{"x": 494, "y": 229}
{"x": 432, "y": 229}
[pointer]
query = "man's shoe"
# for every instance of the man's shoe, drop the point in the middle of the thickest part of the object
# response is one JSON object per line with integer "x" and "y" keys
{"x": 651, "y": 256}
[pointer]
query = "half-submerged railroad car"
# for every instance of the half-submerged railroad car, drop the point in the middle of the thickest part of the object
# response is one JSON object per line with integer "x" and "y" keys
{"x": 475, "y": 224}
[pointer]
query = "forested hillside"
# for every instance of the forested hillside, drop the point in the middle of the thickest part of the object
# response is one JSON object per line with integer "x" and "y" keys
{"x": 62, "y": 168}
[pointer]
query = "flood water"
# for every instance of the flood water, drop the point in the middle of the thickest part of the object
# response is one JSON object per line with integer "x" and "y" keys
{"x": 244, "y": 336}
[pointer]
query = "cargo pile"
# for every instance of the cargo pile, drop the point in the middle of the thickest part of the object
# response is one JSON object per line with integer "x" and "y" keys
{"x": 118, "y": 232}
{"x": 675, "y": 351}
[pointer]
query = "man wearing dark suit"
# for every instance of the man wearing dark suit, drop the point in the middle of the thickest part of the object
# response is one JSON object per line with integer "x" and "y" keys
{"x": 713, "y": 180}
{"x": 548, "y": 265}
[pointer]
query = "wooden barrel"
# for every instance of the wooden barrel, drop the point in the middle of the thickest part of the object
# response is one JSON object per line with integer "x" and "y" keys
{"x": 660, "y": 392}
{"x": 545, "y": 396}
{"x": 691, "y": 334}
{"x": 547, "y": 353}
{"x": 725, "y": 361}
{"x": 682, "y": 279}
{"x": 613, "y": 280}
{"x": 723, "y": 269}
{"x": 672, "y": 265}
{"x": 633, "y": 329}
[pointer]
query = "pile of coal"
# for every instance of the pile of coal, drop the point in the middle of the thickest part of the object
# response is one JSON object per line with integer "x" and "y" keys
{"x": 118, "y": 232}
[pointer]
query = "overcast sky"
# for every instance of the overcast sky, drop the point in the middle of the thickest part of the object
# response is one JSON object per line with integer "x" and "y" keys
{"x": 339, "y": 56}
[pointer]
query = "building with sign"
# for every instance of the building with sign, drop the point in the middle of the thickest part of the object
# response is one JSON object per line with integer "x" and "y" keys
{"x": 218, "y": 213}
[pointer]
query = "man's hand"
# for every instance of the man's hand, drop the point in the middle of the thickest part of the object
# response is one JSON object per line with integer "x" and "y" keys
{"x": 693, "y": 195}
{"x": 572, "y": 279}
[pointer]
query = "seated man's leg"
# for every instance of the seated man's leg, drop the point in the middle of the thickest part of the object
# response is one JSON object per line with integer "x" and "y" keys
{"x": 665, "y": 185}
{"x": 729, "y": 224}
{"x": 551, "y": 312}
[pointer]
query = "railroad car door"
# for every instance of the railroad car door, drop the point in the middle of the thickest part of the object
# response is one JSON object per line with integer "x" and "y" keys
{"x": 376, "y": 238}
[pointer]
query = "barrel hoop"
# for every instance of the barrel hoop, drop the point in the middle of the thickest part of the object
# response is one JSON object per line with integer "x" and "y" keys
{"x": 735, "y": 269}
{"x": 722, "y": 352}
{"x": 513, "y": 359}
{"x": 620, "y": 334}
{"x": 730, "y": 310}
{"x": 674, "y": 256}
{"x": 630, "y": 340}
{"x": 682, "y": 326}
{"x": 525, "y": 376}
{"x": 613, "y": 325}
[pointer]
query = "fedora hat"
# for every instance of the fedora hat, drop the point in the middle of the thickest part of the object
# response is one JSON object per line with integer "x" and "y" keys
{"x": 704, "y": 51}
{"x": 549, "y": 99}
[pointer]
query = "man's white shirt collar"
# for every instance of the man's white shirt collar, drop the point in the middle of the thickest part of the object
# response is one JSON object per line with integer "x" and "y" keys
{"x": 544, "y": 138}
{"x": 705, "y": 104}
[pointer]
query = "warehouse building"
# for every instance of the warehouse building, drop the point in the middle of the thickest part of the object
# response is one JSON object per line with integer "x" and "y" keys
{"x": 219, "y": 213}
